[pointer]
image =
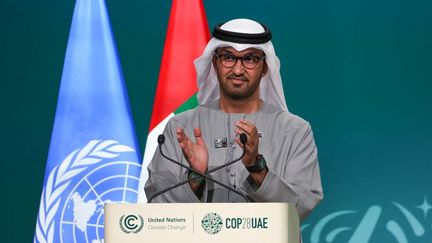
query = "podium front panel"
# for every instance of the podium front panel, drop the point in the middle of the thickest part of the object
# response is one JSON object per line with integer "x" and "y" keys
{"x": 201, "y": 222}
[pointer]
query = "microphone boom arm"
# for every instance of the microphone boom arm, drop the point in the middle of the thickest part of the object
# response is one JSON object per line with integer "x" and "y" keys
{"x": 161, "y": 140}
{"x": 205, "y": 175}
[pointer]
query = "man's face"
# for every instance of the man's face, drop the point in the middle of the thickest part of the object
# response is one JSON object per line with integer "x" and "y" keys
{"x": 238, "y": 82}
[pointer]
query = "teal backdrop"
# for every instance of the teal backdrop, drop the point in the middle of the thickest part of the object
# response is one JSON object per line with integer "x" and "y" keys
{"x": 360, "y": 71}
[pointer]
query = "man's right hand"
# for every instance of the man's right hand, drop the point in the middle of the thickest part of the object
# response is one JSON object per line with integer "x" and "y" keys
{"x": 196, "y": 154}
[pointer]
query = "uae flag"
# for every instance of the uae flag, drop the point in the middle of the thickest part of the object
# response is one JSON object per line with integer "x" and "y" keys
{"x": 187, "y": 36}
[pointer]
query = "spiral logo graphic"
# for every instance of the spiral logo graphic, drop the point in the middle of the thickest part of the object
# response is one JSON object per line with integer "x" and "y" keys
{"x": 400, "y": 225}
{"x": 212, "y": 223}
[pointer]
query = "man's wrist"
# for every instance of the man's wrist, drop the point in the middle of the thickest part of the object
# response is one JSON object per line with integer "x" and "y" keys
{"x": 259, "y": 166}
{"x": 256, "y": 179}
{"x": 195, "y": 177}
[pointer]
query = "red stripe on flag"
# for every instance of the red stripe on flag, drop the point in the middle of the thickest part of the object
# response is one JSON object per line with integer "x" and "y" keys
{"x": 187, "y": 36}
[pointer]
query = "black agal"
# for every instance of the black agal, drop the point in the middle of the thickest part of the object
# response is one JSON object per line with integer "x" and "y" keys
{"x": 243, "y": 38}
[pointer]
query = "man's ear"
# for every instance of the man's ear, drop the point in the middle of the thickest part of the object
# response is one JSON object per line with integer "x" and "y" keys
{"x": 214, "y": 61}
{"x": 265, "y": 69}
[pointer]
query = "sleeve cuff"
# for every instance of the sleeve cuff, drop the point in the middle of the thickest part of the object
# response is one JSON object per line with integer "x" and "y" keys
{"x": 270, "y": 190}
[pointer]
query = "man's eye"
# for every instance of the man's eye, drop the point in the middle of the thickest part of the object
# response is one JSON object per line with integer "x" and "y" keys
{"x": 251, "y": 59}
{"x": 228, "y": 57}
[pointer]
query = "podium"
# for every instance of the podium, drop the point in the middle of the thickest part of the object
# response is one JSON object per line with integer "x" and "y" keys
{"x": 201, "y": 222}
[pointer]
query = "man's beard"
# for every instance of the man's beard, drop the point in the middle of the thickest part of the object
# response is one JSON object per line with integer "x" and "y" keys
{"x": 234, "y": 94}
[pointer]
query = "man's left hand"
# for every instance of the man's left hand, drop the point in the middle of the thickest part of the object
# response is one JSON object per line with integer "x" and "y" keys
{"x": 251, "y": 132}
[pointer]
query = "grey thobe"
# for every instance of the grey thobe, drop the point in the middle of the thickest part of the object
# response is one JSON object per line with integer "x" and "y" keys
{"x": 287, "y": 145}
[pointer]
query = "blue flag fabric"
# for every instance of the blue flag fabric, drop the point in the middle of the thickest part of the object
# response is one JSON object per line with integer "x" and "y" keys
{"x": 93, "y": 156}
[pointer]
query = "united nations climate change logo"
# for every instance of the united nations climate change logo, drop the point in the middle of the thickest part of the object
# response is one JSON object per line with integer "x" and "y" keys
{"x": 212, "y": 223}
{"x": 72, "y": 201}
{"x": 131, "y": 223}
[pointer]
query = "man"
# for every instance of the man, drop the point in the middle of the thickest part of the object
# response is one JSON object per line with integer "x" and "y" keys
{"x": 240, "y": 91}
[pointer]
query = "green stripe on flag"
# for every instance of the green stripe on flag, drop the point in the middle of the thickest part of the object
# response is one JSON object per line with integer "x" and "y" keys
{"x": 191, "y": 103}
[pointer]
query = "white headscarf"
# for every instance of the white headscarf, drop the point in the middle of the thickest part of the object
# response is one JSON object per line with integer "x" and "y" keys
{"x": 271, "y": 90}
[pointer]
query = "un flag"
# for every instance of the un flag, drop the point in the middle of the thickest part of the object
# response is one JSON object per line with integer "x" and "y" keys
{"x": 93, "y": 156}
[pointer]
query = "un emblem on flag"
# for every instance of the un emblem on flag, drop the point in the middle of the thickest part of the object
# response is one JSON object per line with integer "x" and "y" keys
{"x": 76, "y": 190}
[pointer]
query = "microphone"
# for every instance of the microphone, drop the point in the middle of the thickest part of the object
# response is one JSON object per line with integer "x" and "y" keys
{"x": 161, "y": 141}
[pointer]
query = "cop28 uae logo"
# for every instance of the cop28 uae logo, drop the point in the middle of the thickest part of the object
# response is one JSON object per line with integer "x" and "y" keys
{"x": 212, "y": 223}
{"x": 131, "y": 223}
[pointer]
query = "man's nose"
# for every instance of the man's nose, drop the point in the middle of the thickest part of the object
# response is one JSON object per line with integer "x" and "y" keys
{"x": 238, "y": 67}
